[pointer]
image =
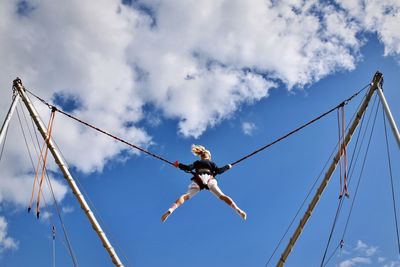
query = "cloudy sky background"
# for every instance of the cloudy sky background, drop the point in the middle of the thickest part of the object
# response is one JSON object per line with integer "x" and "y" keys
{"x": 139, "y": 68}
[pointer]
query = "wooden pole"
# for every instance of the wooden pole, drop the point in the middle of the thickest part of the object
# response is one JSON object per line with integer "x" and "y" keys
{"x": 374, "y": 85}
{"x": 67, "y": 175}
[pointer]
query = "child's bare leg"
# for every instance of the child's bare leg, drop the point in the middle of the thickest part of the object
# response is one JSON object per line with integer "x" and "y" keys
{"x": 174, "y": 206}
{"x": 213, "y": 185}
{"x": 231, "y": 203}
{"x": 193, "y": 189}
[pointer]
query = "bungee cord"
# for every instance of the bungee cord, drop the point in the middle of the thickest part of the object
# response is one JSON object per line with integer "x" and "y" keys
{"x": 342, "y": 104}
{"x": 315, "y": 183}
{"x": 100, "y": 130}
{"x": 341, "y": 243}
{"x": 339, "y": 108}
{"x": 345, "y": 102}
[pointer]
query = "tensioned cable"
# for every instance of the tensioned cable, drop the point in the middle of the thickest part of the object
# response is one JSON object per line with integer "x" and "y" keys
{"x": 351, "y": 171}
{"x": 391, "y": 181}
{"x": 345, "y": 102}
{"x": 103, "y": 223}
{"x": 69, "y": 246}
{"x": 71, "y": 252}
{"x": 300, "y": 208}
{"x": 312, "y": 188}
{"x": 359, "y": 181}
{"x": 102, "y": 131}
{"x": 341, "y": 199}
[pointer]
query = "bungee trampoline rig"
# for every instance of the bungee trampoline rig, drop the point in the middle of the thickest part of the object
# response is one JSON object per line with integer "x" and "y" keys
{"x": 340, "y": 159}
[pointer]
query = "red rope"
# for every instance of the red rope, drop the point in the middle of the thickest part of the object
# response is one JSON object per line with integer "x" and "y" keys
{"x": 45, "y": 149}
{"x": 340, "y": 148}
{"x": 345, "y": 191}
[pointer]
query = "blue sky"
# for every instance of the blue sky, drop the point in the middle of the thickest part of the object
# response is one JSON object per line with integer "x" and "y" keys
{"x": 146, "y": 72}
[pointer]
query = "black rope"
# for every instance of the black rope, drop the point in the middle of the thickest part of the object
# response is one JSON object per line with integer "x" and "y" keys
{"x": 361, "y": 172}
{"x": 70, "y": 250}
{"x": 100, "y": 130}
{"x": 300, "y": 208}
{"x": 359, "y": 179}
{"x": 26, "y": 142}
{"x": 345, "y": 102}
{"x": 391, "y": 182}
{"x": 106, "y": 228}
{"x": 332, "y": 254}
{"x": 339, "y": 208}
{"x": 69, "y": 246}
{"x": 313, "y": 186}
{"x": 341, "y": 199}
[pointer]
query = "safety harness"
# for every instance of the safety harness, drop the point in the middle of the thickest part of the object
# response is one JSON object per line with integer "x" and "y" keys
{"x": 197, "y": 179}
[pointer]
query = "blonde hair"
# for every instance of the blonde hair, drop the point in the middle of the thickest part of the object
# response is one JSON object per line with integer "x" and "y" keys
{"x": 201, "y": 151}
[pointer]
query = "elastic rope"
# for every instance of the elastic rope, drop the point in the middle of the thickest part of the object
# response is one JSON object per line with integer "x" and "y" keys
{"x": 49, "y": 129}
{"x": 312, "y": 188}
{"x": 345, "y": 102}
{"x": 340, "y": 148}
{"x": 33, "y": 165}
{"x": 391, "y": 181}
{"x": 360, "y": 176}
{"x": 345, "y": 191}
{"x": 68, "y": 242}
{"x": 100, "y": 130}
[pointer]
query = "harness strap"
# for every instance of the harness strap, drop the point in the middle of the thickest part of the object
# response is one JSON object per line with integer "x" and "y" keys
{"x": 199, "y": 182}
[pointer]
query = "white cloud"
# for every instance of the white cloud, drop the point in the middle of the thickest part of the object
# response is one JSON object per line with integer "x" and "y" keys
{"x": 45, "y": 215}
{"x": 392, "y": 264}
{"x": 197, "y": 62}
{"x": 67, "y": 209}
{"x": 366, "y": 250}
{"x": 248, "y": 128}
{"x": 354, "y": 261}
{"x": 381, "y": 17}
{"x": 363, "y": 254}
{"x": 6, "y": 242}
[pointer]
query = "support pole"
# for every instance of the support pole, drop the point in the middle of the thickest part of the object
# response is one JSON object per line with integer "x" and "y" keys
{"x": 4, "y": 127}
{"x": 389, "y": 115}
{"x": 324, "y": 183}
{"x": 63, "y": 167}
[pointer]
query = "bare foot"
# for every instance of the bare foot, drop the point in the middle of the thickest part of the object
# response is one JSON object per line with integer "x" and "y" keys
{"x": 243, "y": 214}
{"x": 165, "y": 216}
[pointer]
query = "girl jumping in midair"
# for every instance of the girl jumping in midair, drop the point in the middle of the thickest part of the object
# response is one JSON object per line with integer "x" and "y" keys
{"x": 204, "y": 172}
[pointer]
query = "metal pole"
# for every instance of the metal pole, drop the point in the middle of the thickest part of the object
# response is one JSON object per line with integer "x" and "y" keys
{"x": 389, "y": 114}
{"x": 317, "y": 196}
{"x": 4, "y": 127}
{"x": 63, "y": 167}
